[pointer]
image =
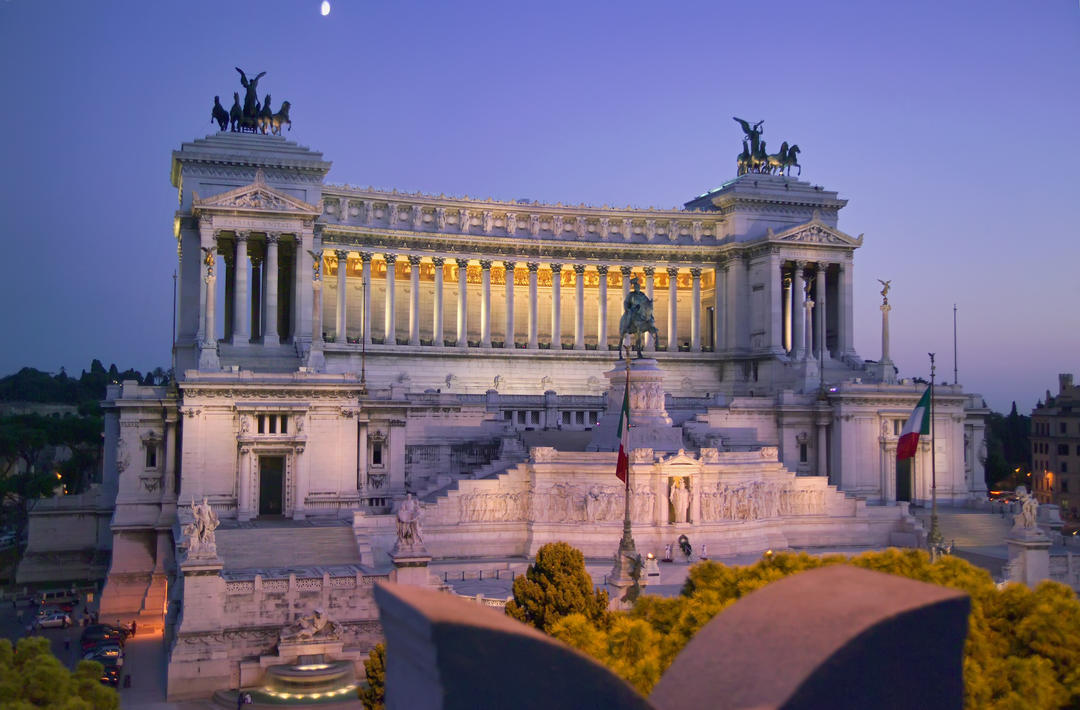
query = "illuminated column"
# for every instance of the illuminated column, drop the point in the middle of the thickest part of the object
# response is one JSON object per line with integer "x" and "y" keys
{"x": 365, "y": 282}
{"x": 695, "y": 310}
{"x": 300, "y": 462}
{"x": 718, "y": 301}
{"x": 533, "y": 306}
{"x": 508, "y": 338}
{"x": 256, "y": 297}
{"x": 846, "y": 343}
{"x": 823, "y": 447}
{"x": 798, "y": 287}
{"x": 463, "y": 303}
{"x": 243, "y": 487}
{"x": 650, "y": 287}
{"x": 210, "y": 281}
{"x": 437, "y": 313}
{"x": 786, "y": 305}
{"x": 485, "y": 303}
{"x": 673, "y": 310}
{"x": 556, "y": 306}
{"x": 414, "y": 299}
{"x": 341, "y": 329}
{"x": 389, "y": 314}
{"x": 316, "y": 358}
{"x": 774, "y": 318}
{"x": 579, "y": 310}
{"x": 270, "y": 318}
{"x": 601, "y": 311}
{"x": 241, "y": 304}
{"x": 819, "y": 307}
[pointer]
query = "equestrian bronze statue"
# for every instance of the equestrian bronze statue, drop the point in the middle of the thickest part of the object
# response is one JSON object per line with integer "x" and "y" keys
{"x": 251, "y": 116}
{"x": 637, "y": 317}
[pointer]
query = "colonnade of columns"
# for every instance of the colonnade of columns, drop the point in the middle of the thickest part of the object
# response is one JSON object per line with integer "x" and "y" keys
{"x": 802, "y": 326}
{"x": 490, "y": 332}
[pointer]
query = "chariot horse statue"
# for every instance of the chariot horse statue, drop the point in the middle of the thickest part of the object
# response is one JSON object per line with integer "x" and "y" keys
{"x": 637, "y": 317}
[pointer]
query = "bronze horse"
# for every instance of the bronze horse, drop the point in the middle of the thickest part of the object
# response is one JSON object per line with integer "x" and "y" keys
{"x": 280, "y": 118}
{"x": 219, "y": 115}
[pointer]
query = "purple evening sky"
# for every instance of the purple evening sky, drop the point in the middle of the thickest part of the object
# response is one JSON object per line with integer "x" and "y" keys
{"x": 952, "y": 127}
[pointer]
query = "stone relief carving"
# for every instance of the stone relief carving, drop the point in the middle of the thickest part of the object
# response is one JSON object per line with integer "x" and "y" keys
{"x": 543, "y": 454}
{"x": 150, "y": 484}
{"x": 604, "y": 503}
{"x": 488, "y": 221}
{"x": 642, "y": 455}
{"x": 534, "y": 224}
{"x": 642, "y": 504}
{"x": 440, "y": 218}
{"x": 710, "y": 455}
{"x": 511, "y": 223}
{"x": 314, "y": 627}
{"x": 770, "y": 453}
{"x": 505, "y": 506}
{"x": 759, "y": 499}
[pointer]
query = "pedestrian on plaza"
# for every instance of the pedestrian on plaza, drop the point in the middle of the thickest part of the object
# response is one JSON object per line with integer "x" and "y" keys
{"x": 133, "y": 627}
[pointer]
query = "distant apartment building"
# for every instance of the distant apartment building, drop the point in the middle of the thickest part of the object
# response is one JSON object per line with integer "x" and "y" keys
{"x": 1055, "y": 448}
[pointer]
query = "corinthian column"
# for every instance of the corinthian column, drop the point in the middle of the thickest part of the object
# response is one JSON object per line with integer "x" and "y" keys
{"x": 485, "y": 303}
{"x": 650, "y": 287}
{"x": 342, "y": 326}
{"x": 601, "y": 311}
{"x": 437, "y": 312}
{"x": 556, "y": 306}
{"x": 389, "y": 314}
{"x": 210, "y": 281}
{"x": 463, "y": 303}
{"x": 798, "y": 311}
{"x": 579, "y": 310}
{"x": 695, "y": 310}
{"x": 414, "y": 300}
{"x": 820, "y": 309}
{"x": 508, "y": 338}
{"x": 241, "y": 303}
{"x": 533, "y": 306}
{"x": 270, "y": 320}
{"x": 365, "y": 282}
{"x": 673, "y": 310}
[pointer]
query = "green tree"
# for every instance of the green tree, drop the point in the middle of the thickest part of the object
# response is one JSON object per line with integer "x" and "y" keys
{"x": 373, "y": 693}
{"x": 554, "y": 586}
{"x": 31, "y": 677}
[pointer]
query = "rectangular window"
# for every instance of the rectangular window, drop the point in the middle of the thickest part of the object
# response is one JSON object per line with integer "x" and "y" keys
{"x": 802, "y": 453}
{"x": 536, "y": 417}
{"x": 508, "y": 416}
{"x": 151, "y": 456}
{"x": 262, "y": 423}
{"x": 1063, "y": 449}
{"x": 1064, "y": 485}
{"x": 1064, "y": 469}
{"x": 566, "y": 417}
{"x": 1061, "y": 427}
{"x": 897, "y": 426}
{"x": 272, "y": 421}
{"x": 580, "y": 417}
{"x": 284, "y": 425}
{"x": 376, "y": 455}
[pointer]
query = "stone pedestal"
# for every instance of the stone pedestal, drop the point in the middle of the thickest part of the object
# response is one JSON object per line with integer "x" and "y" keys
{"x": 196, "y": 670}
{"x": 410, "y": 565}
{"x": 204, "y": 594}
{"x": 1029, "y": 556}
{"x": 809, "y": 374}
{"x": 208, "y": 358}
{"x": 650, "y": 425}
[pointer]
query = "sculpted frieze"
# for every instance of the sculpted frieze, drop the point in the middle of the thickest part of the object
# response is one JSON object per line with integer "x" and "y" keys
{"x": 758, "y": 500}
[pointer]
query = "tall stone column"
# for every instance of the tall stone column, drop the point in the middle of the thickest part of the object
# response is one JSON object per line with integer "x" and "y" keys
{"x": 556, "y": 306}
{"x": 787, "y": 304}
{"x": 256, "y": 297}
{"x": 695, "y": 309}
{"x": 650, "y": 288}
{"x": 361, "y": 455}
{"x": 365, "y": 282}
{"x": 170, "y": 454}
{"x": 241, "y": 301}
{"x": 820, "y": 308}
{"x": 341, "y": 329}
{"x": 316, "y": 359}
{"x": 437, "y": 310}
{"x": 414, "y": 299}
{"x": 270, "y": 297}
{"x": 846, "y": 312}
{"x": 808, "y": 317}
{"x": 463, "y": 303}
{"x": 822, "y": 447}
{"x": 534, "y": 307}
{"x": 485, "y": 303}
{"x": 673, "y": 310}
{"x": 243, "y": 485}
{"x": 798, "y": 287}
{"x": 389, "y": 312}
{"x": 508, "y": 336}
{"x": 579, "y": 306}
{"x": 228, "y": 256}
{"x": 774, "y": 318}
{"x": 300, "y": 462}
{"x": 210, "y": 282}
{"x": 719, "y": 284}
{"x": 601, "y": 311}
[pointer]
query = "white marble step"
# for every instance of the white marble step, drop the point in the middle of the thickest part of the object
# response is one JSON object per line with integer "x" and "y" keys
{"x": 969, "y": 529}
{"x": 286, "y": 544}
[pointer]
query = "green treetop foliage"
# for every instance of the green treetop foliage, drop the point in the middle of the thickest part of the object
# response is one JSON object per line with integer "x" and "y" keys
{"x": 1008, "y": 449}
{"x": 1022, "y": 650}
{"x": 554, "y": 586}
{"x": 373, "y": 693}
{"x": 31, "y": 677}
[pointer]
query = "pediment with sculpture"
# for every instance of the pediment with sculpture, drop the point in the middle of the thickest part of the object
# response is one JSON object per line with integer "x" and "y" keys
{"x": 257, "y": 197}
{"x": 815, "y": 232}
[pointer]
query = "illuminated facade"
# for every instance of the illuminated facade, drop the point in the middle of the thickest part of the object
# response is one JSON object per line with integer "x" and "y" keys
{"x": 1055, "y": 448}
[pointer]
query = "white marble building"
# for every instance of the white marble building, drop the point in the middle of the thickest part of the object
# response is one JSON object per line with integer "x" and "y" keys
{"x": 337, "y": 347}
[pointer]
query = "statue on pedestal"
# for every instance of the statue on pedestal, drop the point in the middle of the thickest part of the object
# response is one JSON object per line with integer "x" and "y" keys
{"x": 314, "y": 627}
{"x": 680, "y": 500}
{"x": 637, "y": 318}
{"x": 200, "y": 531}
{"x": 408, "y": 523}
{"x": 1026, "y": 519}
{"x": 885, "y": 291}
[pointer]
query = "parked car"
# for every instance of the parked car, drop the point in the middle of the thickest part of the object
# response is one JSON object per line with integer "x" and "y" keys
{"x": 107, "y": 654}
{"x": 98, "y": 634}
{"x": 7, "y": 539}
{"x": 54, "y": 620}
{"x": 58, "y": 596}
{"x": 110, "y": 675}
{"x": 46, "y": 609}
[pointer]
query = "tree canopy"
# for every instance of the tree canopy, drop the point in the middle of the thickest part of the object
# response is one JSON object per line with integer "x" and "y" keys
{"x": 556, "y": 585}
{"x": 31, "y": 677}
{"x": 373, "y": 693}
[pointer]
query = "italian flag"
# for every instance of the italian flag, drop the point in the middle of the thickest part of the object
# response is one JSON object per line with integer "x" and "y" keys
{"x": 623, "y": 466}
{"x": 918, "y": 423}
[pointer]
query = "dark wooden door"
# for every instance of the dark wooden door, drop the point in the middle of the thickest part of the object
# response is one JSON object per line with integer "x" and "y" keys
{"x": 903, "y": 480}
{"x": 271, "y": 484}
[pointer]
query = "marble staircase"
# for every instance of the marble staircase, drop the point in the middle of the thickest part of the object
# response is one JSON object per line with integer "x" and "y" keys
{"x": 968, "y": 529}
{"x": 287, "y": 543}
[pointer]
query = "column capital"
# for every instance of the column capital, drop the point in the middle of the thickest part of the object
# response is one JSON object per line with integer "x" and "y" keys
{"x": 579, "y": 269}
{"x": 242, "y": 235}
{"x": 509, "y": 264}
{"x": 485, "y": 264}
{"x": 462, "y": 263}
{"x": 627, "y": 270}
{"x": 438, "y": 261}
{"x": 414, "y": 260}
{"x": 533, "y": 267}
{"x": 800, "y": 264}
{"x": 556, "y": 268}
{"x": 695, "y": 271}
{"x": 672, "y": 271}
{"x": 650, "y": 271}
{"x": 365, "y": 257}
{"x": 228, "y": 257}
{"x": 342, "y": 254}
{"x": 602, "y": 269}
{"x": 390, "y": 258}
{"x": 273, "y": 237}
{"x": 256, "y": 259}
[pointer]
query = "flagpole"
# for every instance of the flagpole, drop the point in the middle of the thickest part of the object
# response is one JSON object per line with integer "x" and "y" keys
{"x": 934, "y": 539}
{"x": 955, "y": 367}
{"x": 627, "y": 534}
